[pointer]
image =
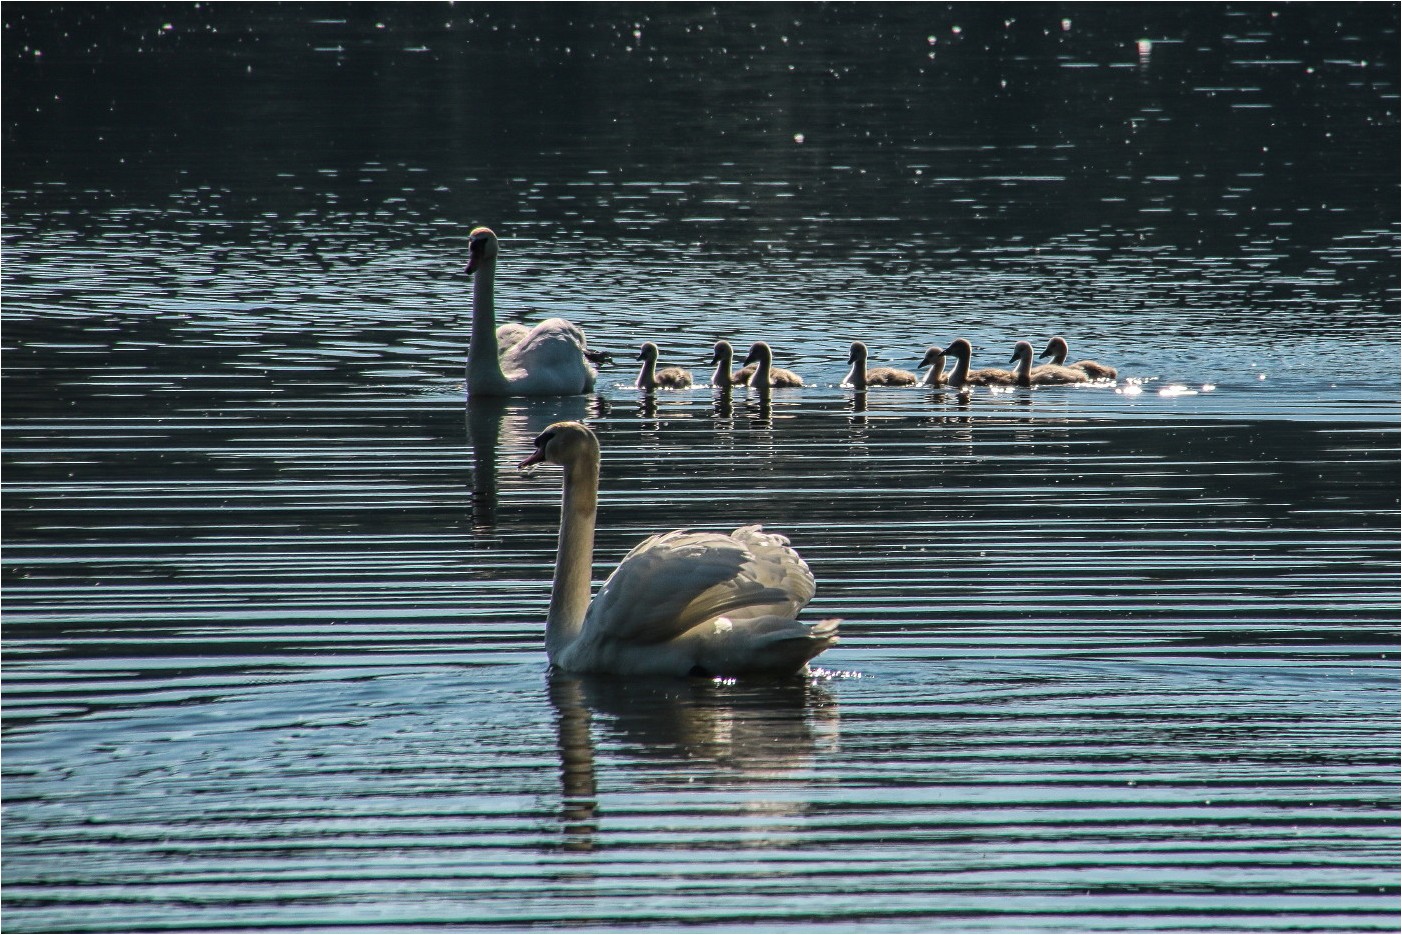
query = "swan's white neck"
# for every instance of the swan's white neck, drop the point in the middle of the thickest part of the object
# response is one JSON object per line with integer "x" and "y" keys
{"x": 484, "y": 376}
{"x": 574, "y": 561}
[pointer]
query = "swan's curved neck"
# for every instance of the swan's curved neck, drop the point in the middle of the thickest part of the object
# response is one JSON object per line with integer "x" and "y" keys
{"x": 484, "y": 376}
{"x": 935, "y": 375}
{"x": 960, "y": 374}
{"x": 647, "y": 376}
{"x": 722, "y": 375}
{"x": 760, "y": 378}
{"x": 857, "y": 376}
{"x": 574, "y": 561}
{"x": 1024, "y": 370}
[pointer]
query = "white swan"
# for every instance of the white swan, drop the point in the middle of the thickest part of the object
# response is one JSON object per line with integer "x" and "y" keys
{"x": 547, "y": 360}
{"x": 1057, "y": 351}
{"x": 859, "y": 377}
{"x": 961, "y": 376}
{"x": 681, "y": 603}
{"x": 764, "y": 373}
{"x": 934, "y": 359}
{"x": 650, "y": 378}
{"x": 1027, "y": 375}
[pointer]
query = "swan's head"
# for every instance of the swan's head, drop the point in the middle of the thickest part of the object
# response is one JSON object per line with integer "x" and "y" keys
{"x": 563, "y": 443}
{"x": 759, "y": 353}
{"x": 935, "y": 355}
{"x": 649, "y": 352}
{"x": 1022, "y": 350}
{"x": 481, "y": 249}
{"x": 722, "y": 351}
{"x": 959, "y": 348}
{"x": 858, "y": 354}
{"x": 1056, "y": 345}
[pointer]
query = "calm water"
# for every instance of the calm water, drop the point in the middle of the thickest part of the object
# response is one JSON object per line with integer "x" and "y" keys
{"x": 1114, "y": 658}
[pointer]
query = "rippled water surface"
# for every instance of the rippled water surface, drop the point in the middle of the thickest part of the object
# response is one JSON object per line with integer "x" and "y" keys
{"x": 1117, "y": 658}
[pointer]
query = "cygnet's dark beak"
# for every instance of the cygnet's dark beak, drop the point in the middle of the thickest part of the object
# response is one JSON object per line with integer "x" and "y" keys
{"x": 598, "y": 358}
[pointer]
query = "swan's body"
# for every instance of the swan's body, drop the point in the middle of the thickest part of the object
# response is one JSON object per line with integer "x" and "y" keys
{"x": 723, "y": 357}
{"x": 650, "y": 378}
{"x": 1027, "y": 375}
{"x": 547, "y": 360}
{"x": 681, "y": 603}
{"x": 934, "y": 359}
{"x": 765, "y": 373}
{"x": 1057, "y": 351}
{"x": 961, "y": 376}
{"x": 859, "y": 377}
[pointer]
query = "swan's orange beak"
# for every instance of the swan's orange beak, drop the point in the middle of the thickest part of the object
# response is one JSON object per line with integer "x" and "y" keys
{"x": 535, "y": 457}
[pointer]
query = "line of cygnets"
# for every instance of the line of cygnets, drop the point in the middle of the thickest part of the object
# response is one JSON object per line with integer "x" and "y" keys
{"x": 683, "y": 603}
{"x": 759, "y": 370}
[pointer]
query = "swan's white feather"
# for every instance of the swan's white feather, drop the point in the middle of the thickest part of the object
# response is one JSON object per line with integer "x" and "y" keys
{"x": 546, "y": 360}
{"x": 686, "y": 601}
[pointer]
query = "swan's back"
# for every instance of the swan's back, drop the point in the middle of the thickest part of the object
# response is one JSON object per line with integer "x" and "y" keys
{"x": 548, "y": 359}
{"x": 702, "y": 603}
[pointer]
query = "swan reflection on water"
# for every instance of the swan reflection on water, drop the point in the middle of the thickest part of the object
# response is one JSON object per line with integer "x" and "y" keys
{"x": 669, "y": 732}
{"x": 495, "y": 423}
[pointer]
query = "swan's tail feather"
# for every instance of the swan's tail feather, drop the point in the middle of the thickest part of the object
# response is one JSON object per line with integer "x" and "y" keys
{"x": 770, "y": 644}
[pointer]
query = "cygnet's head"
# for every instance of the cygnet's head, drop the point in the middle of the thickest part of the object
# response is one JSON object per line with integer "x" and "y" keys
{"x": 960, "y": 348}
{"x": 562, "y": 443}
{"x": 649, "y": 352}
{"x": 935, "y": 355}
{"x": 759, "y": 353}
{"x": 722, "y": 351}
{"x": 1022, "y": 350}
{"x": 1055, "y": 346}
{"x": 481, "y": 249}
{"x": 858, "y": 354}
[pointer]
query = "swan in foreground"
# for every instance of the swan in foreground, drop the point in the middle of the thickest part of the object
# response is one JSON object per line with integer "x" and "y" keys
{"x": 1027, "y": 375}
{"x": 765, "y": 374}
{"x": 650, "y": 378}
{"x": 681, "y": 603}
{"x": 961, "y": 376}
{"x": 934, "y": 359}
{"x": 859, "y": 377}
{"x": 1057, "y": 351}
{"x": 547, "y": 360}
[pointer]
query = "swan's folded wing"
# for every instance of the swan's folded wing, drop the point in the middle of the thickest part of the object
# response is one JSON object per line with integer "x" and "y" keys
{"x": 672, "y": 582}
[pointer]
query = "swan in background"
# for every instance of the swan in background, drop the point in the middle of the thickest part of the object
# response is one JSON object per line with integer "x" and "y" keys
{"x": 681, "y": 603}
{"x": 859, "y": 377}
{"x": 961, "y": 376}
{"x": 650, "y": 378}
{"x": 934, "y": 359}
{"x": 723, "y": 356}
{"x": 547, "y": 360}
{"x": 1027, "y": 375}
{"x": 765, "y": 374}
{"x": 1057, "y": 351}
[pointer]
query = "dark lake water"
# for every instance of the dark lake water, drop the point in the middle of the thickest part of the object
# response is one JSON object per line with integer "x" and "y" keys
{"x": 1114, "y": 658}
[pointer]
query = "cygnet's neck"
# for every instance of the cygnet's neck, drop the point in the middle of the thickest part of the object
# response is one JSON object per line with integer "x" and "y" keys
{"x": 760, "y": 378}
{"x": 935, "y": 375}
{"x": 574, "y": 559}
{"x": 960, "y": 374}
{"x": 857, "y": 376}
{"x": 647, "y": 376}
{"x": 723, "y": 363}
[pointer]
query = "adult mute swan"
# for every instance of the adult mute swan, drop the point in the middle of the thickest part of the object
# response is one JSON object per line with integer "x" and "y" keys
{"x": 961, "y": 376}
{"x": 934, "y": 359}
{"x": 859, "y": 377}
{"x": 681, "y": 603}
{"x": 765, "y": 374}
{"x": 650, "y": 378}
{"x": 547, "y": 360}
{"x": 1057, "y": 351}
{"x": 1027, "y": 375}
